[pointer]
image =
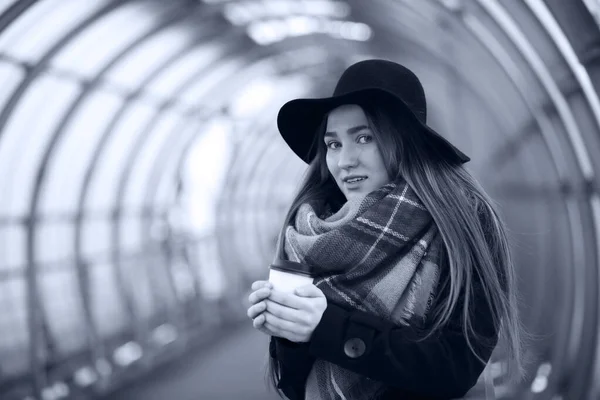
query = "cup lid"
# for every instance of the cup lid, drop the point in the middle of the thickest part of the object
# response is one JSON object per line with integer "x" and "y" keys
{"x": 293, "y": 267}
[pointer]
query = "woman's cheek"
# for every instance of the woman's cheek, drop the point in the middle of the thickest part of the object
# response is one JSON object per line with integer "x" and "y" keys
{"x": 331, "y": 164}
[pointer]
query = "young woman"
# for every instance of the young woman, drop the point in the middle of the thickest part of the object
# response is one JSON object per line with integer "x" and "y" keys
{"x": 415, "y": 280}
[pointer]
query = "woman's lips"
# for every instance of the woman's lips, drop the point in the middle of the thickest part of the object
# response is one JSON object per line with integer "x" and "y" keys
{"x": 354, "y": 184}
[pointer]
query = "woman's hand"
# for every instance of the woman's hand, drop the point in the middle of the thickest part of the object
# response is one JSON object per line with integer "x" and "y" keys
{"x": 261, "y": 291}
{"x": 293, "y": 316}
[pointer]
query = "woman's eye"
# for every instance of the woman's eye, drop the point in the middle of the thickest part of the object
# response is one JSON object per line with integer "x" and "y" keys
{"x": 332, "y": 145}
{"x": 365, "y": 139}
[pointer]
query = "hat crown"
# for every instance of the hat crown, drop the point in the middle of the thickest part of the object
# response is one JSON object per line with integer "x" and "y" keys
{"x": 390, "y": 85}
{"x": 389, "y": 77}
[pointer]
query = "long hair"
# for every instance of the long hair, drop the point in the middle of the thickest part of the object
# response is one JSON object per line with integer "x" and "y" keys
{"x": 473, "y": 232}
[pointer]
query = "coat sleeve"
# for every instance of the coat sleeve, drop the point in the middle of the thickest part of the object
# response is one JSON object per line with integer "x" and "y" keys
{"x": 295, "y": 362}
{"x": 442, "y": 366}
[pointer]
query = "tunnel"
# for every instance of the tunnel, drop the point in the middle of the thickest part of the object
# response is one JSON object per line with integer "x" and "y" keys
{"x": 139, "y": 248}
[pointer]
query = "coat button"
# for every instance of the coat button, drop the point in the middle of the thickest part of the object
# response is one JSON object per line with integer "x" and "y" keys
{"x": 354, "y": 347}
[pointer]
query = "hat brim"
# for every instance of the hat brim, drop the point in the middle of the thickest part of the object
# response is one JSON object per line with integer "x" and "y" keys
{"x": 299, "y": 119}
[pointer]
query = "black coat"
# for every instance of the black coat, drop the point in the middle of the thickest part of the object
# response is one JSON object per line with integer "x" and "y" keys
{"x": 441, "y": 367}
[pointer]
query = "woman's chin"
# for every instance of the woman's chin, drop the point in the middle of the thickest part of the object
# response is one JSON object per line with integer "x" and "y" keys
{"x": 355, "y": 194}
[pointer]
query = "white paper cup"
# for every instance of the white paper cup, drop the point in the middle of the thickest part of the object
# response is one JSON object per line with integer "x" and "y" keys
{"x": 286, "y": 276}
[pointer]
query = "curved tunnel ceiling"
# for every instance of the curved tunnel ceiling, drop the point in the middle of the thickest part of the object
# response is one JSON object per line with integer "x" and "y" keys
{"x": 112, "y": 112}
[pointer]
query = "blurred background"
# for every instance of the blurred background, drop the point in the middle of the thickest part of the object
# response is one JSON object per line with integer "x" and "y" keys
{"x": 143, "y": 180}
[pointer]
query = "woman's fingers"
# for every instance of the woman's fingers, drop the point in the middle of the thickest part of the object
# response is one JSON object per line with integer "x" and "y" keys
{"x": 258, "y": 321}
{"x": 283, "y": 312}
{"x": 279, "y": 332}
{"x": 273, "y": 326}
{"x": 256, "y": 309}
{"x": 309, "y": 291}
{"x": 259, "y": 284}
{"x": 259, "y": 295}
{"x": 260, "y": 324}
{"x": 287, "y": 299}
{"x": 281, "y": 324}
{"x": 261, "y": 290}
{"x": 286, "y": 315}
{"x": 256, "y": 312}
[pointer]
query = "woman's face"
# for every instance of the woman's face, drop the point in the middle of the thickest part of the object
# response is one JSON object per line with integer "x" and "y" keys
{"x": 353, "y": 157}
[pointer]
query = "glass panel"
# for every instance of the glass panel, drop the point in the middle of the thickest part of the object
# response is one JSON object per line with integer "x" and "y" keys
{"x": 210, "y": 271}
{"x": 246, "y": 193}
{"x": 242, "y": 13}
{"x": 5, "y": 4}
{"x": 25, "y": 139}
{"x": 14, "y": 340}
{"x": 61, "y": 301}
{"x": 576, "y": 102}
{"x": 134, "y": 193}
{"x": 4, "y": 247}
{"x": 136, "y": 277}
{"x": 103, "y": 189}
{"x": 594, "y": 8}
{"x": 107, "y": 303}
{"x": 13, "y": 241}
{"x": 266, "y": 32}
{"x": 138, "y": 64}
{"x": 204, "y": 173}
{"x": 54, "y": 241}
{"x": 43, "y": 25}
{"x": 131, "y": 234}
{"x": 162, "y": 195}
{"x": 67, "y": 166}
{"x": 160, "y": 276}
{"x": 100, "y": 42}
{"x": 209, "y": 81}
{"x": 254, "y": 96}
{"x": 534, "y": 58}
{"x": 95, "y": 239}
{"x": 10, "y": 77}
{"x": 173, "y": 77}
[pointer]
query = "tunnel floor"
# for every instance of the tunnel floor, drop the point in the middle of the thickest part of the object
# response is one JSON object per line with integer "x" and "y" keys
{"x": 233, "y": 368}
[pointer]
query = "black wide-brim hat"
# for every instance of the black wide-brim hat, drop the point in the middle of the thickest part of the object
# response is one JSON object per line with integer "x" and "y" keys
{"x": 365, "y": 81}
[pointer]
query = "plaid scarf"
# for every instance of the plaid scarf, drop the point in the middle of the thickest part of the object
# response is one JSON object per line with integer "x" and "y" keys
{"x": 380, "y": 254}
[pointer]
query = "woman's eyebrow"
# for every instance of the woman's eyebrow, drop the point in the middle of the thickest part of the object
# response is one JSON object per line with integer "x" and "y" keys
{"x": 350, "y": 131}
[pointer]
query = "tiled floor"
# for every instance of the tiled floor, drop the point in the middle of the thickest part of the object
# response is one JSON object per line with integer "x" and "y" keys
{"x": 231, "y": 370}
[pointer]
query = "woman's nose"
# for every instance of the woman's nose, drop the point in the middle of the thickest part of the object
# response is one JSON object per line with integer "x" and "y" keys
{"x": 348, "y": 157}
